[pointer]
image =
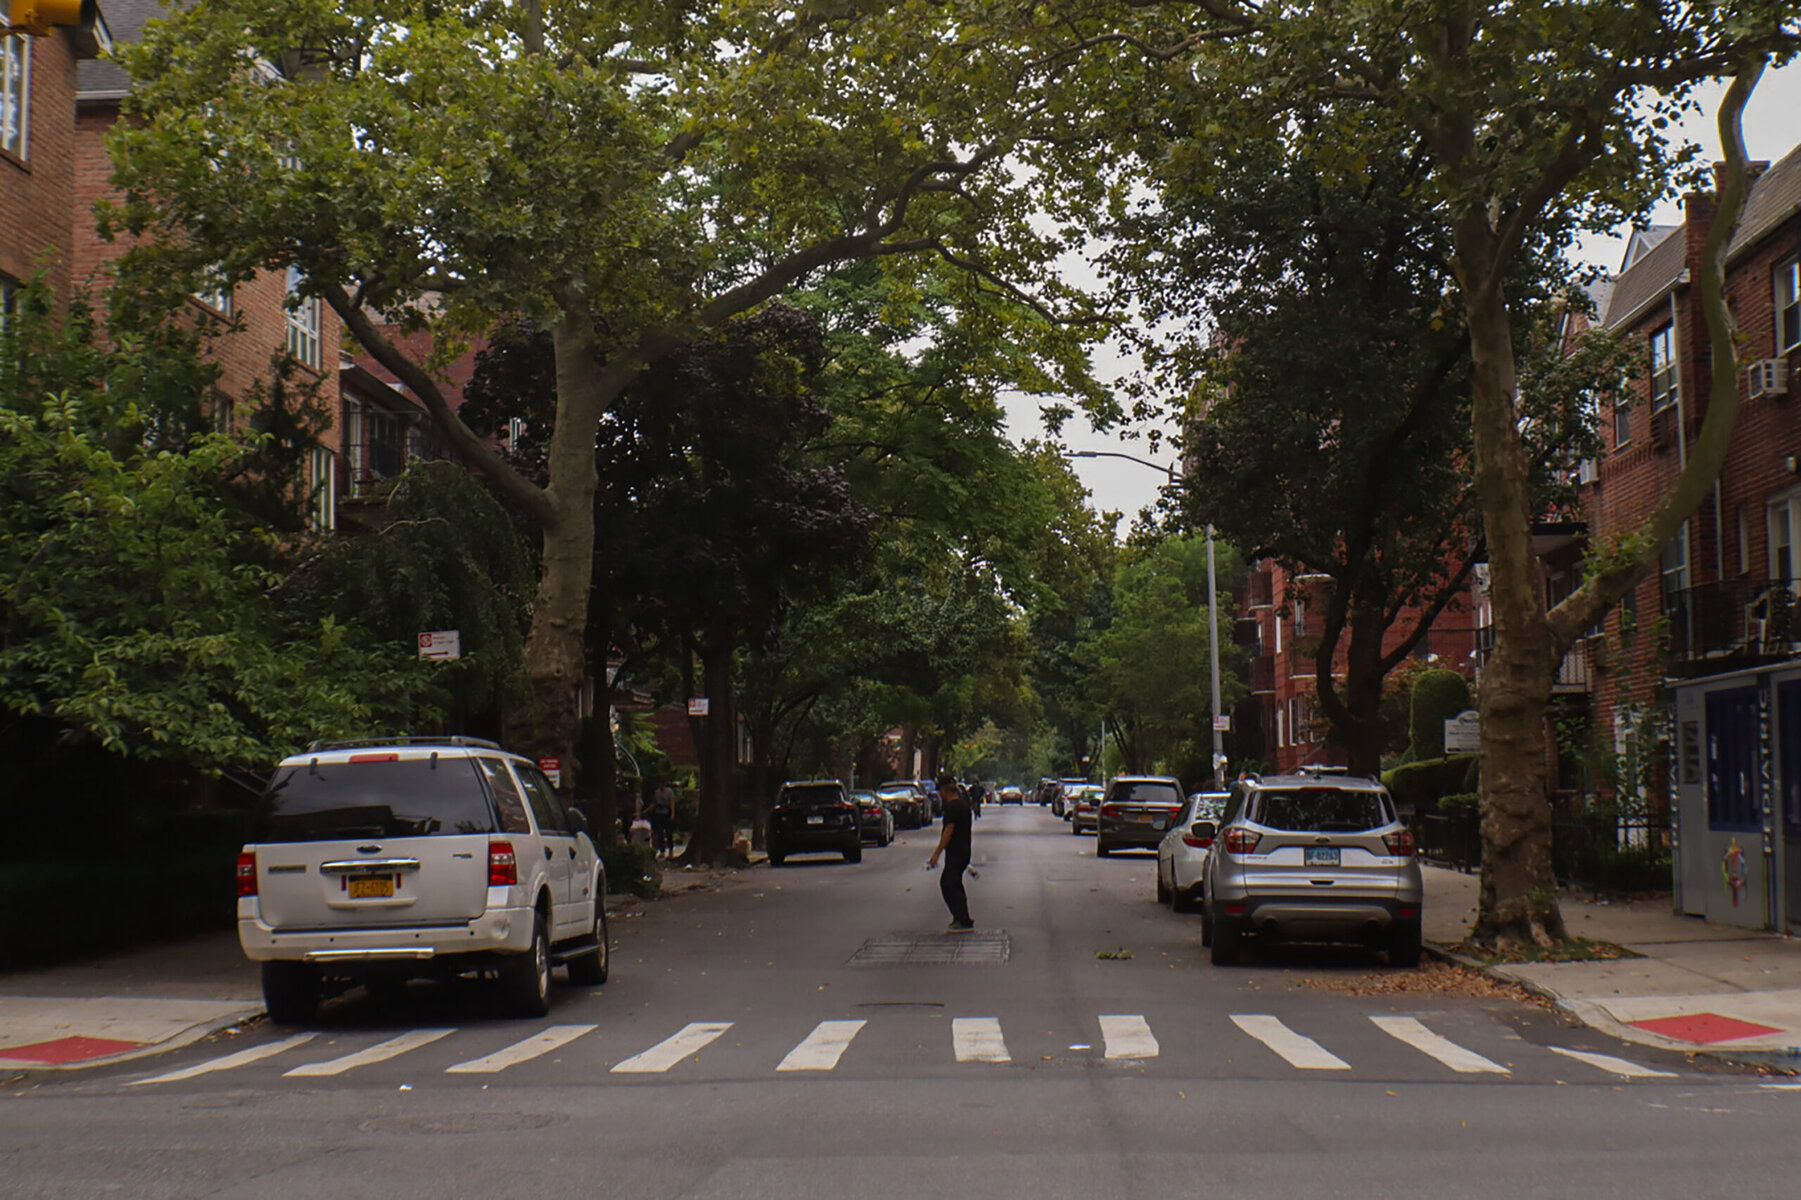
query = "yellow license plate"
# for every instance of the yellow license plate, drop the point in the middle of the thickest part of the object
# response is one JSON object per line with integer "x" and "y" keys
{"x": 371, "y": 887}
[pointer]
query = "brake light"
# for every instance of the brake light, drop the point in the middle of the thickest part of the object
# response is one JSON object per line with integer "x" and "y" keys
{"x": 1399, "y": 844}
{"x": 503, "y": 867}
{"x": 1242, "y": 841}
{"x": 362, "y": 758}
{"x": 1109, "y": 810}
{"x": 247, "y": 873}
{"x": 1199, "y": 843}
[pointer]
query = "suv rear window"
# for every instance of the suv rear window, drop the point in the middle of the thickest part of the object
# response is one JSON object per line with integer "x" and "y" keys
{"x": 1146, "y": 793}
{"x": 814, "y": 796}
{"x": 1329, "y": 810}
{"x": 414, "y": 797}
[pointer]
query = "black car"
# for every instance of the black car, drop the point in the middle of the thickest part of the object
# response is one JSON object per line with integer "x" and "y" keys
{"x": 815, "y": 816}
{"x": 909, "y": 804}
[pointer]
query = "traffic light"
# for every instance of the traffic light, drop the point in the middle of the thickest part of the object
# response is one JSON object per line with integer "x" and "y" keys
{"x": 37, "y": 16}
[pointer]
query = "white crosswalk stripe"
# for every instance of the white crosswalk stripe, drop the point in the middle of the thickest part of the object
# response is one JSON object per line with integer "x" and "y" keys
{"x": 539, "y": 1043}
{"x": 978, "y": 1039}
{"x": 1302, "y": 1052}
{"x": 1128, "y": 1037}
{"x": 823, "y": 1047}
{"x": 666, "y": 1053}
{"x": 392, "y": 1048}
{"x": 1618, "y": 1066}
{"x": 1410, "y": 1031}
{"x": 242, "y": 1058}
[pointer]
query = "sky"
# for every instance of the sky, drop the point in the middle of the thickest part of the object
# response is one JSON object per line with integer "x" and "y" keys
{"x": 1772, "y": 128}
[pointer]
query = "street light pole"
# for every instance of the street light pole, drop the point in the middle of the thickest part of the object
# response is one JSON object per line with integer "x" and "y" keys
{"x": 1175, "y": 483}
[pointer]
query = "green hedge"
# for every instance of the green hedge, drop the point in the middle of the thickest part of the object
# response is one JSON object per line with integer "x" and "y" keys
{"x": 1438, "y": 696}
{"x": 1418, "y": 786}
{"x": 632, "y": 868}
{"x": 86, "y": 906}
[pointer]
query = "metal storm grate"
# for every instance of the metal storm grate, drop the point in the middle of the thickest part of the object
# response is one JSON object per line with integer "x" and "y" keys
{"x": 934, "y": 949}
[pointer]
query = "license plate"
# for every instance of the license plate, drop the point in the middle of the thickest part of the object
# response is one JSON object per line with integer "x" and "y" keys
{"x": 371, "y": 887}
{"x": 816, "y": 820}
{"x": 1160, "y": 823}
{"x": 1322, "y": 856}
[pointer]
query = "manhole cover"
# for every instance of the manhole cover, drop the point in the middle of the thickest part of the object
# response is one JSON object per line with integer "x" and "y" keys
{"x": 934, "y": 949}
{"x": 464, "y": 1123}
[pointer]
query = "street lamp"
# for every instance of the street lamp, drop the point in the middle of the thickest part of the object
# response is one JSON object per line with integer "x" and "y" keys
{"x": 1175, "y": 483}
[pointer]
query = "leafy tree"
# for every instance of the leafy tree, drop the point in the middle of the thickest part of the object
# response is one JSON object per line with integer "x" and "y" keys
{"x": 1524, "y": 110}
{"x": 627, "y": 177}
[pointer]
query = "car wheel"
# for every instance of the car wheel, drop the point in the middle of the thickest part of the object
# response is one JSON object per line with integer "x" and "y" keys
{"x": 1225, "y": 944}
{"x": 776, "y": 858}
{"x": 1074, "y": 829}
{"x": 592, "y": 967}
{"x": 525, "y": 979}
{"x": 1181, "y": 901}
{"x": 1404, "y": 945}
{"x": 1206, "y": 926}
{"x": 1162, "y": 888}
{"x": 290, "y": 992}
{"x": 882, "y": 838}
{"x": 854, "y": 854}
{"x": 1101, "y": 849}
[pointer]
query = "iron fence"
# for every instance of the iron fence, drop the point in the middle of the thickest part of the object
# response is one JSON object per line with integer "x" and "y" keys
{"x": 1600, "y": 853}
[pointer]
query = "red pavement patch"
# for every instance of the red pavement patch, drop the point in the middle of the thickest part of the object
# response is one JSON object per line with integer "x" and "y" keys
{"x": 68, "y": 1050}
{"x": 1704, "y": 1029}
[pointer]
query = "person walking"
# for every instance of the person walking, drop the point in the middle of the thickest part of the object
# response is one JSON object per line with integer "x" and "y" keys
{"x": 953, "y": 847}
{"x": 662, "y": 819}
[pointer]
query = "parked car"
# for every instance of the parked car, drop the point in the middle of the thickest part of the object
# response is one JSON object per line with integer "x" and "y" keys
{"x": 814, "y": 816}
{"x": 1083, "y": 803}
{"x": 907, "y": 795}
{"x": 1135, "y": 811}
{"x": 1044, "y": 793}
{"x": 373, "y": 862}
{"x": 1011, "y": 795}
{"x": 877, "y": 819}
{"x": 1182, "y": 854}
{"x": 1312, "y": 857}
{"x": 1062, "y": 798}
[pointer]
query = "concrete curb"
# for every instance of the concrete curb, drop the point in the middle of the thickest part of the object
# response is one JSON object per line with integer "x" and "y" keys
{"x": 186, "y": 1037}
{"x": 1592, "y": 1014}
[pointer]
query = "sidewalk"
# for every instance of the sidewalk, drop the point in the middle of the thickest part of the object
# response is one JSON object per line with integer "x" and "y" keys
{"x": 134, "y": 1003}
{"x": 1695, "y": 987}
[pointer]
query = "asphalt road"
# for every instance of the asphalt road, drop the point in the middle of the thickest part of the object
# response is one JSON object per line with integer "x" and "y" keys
{"x": 781, "y": 1037}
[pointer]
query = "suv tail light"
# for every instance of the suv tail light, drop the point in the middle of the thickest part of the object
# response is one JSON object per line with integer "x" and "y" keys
{"x": 1241, "y": 841}
{"x": 1399, "y": 844}
{"x": 1109, "y": 810}
{"x": 1198, "y": 843}
{"x": 247, "y": 873}
{"x": 503, "y": 867}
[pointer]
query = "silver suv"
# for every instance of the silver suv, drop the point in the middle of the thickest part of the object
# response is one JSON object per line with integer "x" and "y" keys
{"x": 1312, "y": 857}
{"x": 375, "y": 862}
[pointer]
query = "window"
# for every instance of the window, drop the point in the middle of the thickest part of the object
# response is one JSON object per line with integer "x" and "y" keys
{"x": 10, "y": 295}
{"x": 224, "y": 413}
{"x": 1781, "y": 520}
{"x": 322, "y": 482}
{"x": 1622, "y": 420}
{"x": 304, "y": 320}
{"x": 1673, "y": 569}
{"x": 1788, "y": 306}
{"x": 216, "y": 296}
{"x": 1663, "y": 368}
{"x": 1300, "y": 619}
{"x": 15, "y": 95}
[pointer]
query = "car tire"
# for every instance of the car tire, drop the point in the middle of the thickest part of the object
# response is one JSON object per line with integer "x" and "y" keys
{"x": 854, "y": 854}
{"x": 1404, "y": 945}
{"x": 882, "y": 839}
{"x": 525, "y": 978}
{"x": 593, "y": 966}
{"x": 1101, "y": 849}
{"x": 1181, "y": 901}
{"x": 1074, "y": 829}
{"x": 1206, "y": 926}
{"x": 1162, "y": 888}
{"x": 290, "y": 992}
{"x": 1225, "y": 944}
{"x": 777, "y": 858}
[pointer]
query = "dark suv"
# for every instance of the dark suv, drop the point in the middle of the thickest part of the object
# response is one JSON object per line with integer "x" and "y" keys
{"x": 1312, "y": 857}
{"x": 815, "y": 815}
{"x": 1135, "y": 812}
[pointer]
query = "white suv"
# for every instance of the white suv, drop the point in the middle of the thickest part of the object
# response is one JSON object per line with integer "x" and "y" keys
{"x": 374, "y": 862}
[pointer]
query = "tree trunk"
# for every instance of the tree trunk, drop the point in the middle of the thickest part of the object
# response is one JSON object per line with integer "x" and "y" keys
{"x": 713, "y": 824}
{"x": 1519, "y": 889}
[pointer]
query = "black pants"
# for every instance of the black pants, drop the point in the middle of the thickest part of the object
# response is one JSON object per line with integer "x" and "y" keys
{"x": 662, "y": 834}
{"x": 950, "y": 882}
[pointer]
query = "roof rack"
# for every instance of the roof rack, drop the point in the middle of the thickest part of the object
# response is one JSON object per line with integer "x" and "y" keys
{"x": 455, "y": 739}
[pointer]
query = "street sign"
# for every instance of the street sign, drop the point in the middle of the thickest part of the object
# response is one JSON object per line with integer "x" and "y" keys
{"x": 441, "y": 645}
{"x": 1222, "y": 722}
{"x": 553, "y": 767}
{"x": 1463, "y": 732}
{"x": 697, "y": 706}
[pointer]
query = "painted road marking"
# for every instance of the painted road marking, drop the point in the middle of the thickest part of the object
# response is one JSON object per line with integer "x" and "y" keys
{"x": 665, "y": 1054}
{"x": 1300, "y": 1051}
{"x": 1128, "y": 1037}
{"x": 1409, "y": 1030}
{"x": 242, "y": 1058}
{"x": 1617, "y": 1066}
{"x": 539, "y": 1043}
{"x": 823, "y": 1047}
{"x": 978, "y": 1039}
{"x": 392, "y": 1048}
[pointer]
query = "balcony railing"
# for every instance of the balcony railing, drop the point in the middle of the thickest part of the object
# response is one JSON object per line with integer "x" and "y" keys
{"x": 1752, "y": 618}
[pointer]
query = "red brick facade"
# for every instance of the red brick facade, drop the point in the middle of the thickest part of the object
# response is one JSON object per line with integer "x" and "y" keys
{"x": 37, "y": 192}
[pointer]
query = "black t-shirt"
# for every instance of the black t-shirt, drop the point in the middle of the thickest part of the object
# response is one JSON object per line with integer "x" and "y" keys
{"x": 956, "y": 817}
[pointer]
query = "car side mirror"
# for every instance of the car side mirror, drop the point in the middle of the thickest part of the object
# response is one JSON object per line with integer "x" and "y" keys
{"x": 578, "y": 820}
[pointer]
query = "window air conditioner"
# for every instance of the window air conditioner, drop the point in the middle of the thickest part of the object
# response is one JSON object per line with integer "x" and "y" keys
{"x": 1767, "y": 377}
{"x": 1587, "y": 471}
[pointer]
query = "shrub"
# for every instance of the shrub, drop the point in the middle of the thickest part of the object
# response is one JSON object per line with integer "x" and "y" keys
{"x": 1417, "y": 786}
{"x": 632, "y": 868}
{"x": 1438, "y": 696}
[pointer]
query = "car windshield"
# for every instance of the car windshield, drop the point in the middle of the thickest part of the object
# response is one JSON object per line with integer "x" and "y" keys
{"x": 1146, "y": 793}
{"x": 1329, "y": 810}
{"x": 413, "y": 797}
{"x": 896, "y": 793}
{"x": 814, "y": 796}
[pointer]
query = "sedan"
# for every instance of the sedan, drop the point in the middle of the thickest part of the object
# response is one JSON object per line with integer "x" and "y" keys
{"x": 1182, "y": 854}
{"x": 877, "y": 820}
{"x": 1082, "y": 804}
{"x": 1136, "y": 812}
{"x": 1012, "y": 795}
{"x": 908, "y": 803}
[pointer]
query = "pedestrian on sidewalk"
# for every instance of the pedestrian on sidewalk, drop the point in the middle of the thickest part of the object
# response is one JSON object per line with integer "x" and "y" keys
{"x": 953, "y": 846}
{"x": 662, "y": 819}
